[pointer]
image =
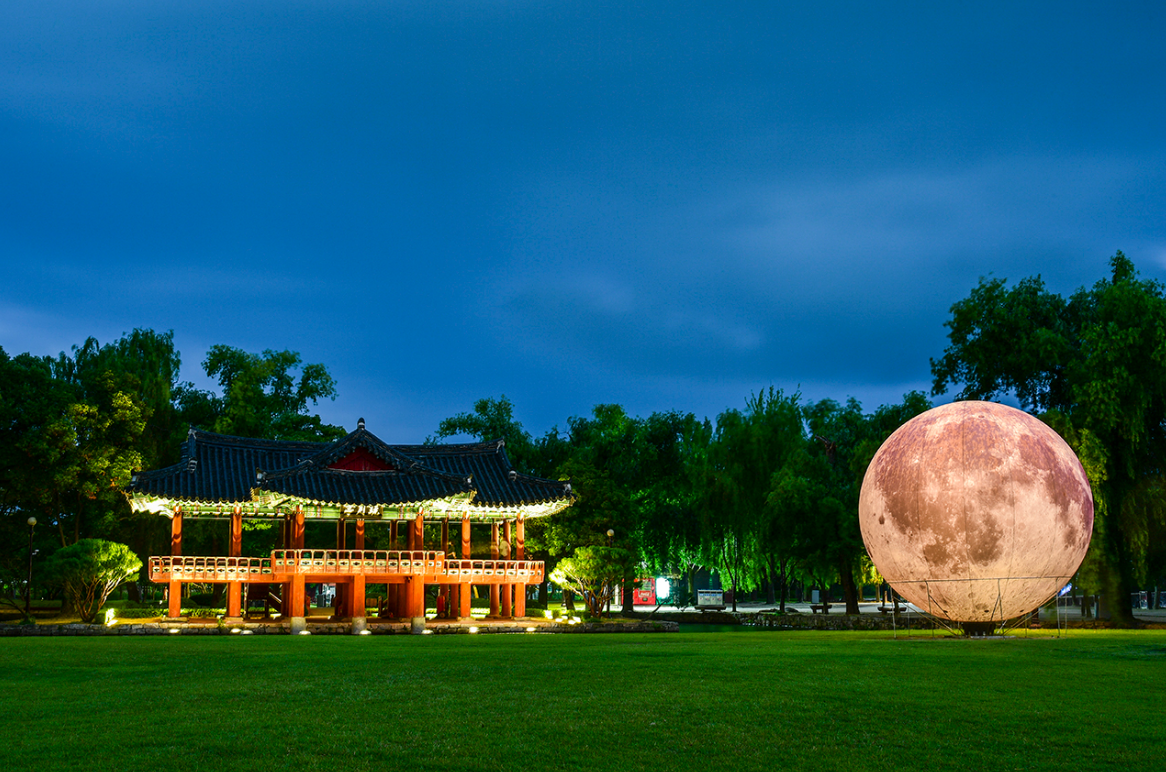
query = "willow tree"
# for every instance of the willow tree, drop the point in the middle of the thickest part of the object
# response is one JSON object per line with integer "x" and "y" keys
{"x": 1095, "y": 365}
{"x": 746, "y": 449}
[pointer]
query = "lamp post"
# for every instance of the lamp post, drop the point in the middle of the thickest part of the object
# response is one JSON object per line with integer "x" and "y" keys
{"x": 28, "y": 587}
{"x": 610, "y": 534}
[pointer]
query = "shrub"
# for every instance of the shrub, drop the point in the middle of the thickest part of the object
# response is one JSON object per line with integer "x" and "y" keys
{"x": 204, "y": 599}
{"x": 89, "y": 571}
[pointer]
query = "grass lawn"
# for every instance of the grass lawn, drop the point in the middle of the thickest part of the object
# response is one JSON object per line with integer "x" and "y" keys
{"x": 813, "y": 700}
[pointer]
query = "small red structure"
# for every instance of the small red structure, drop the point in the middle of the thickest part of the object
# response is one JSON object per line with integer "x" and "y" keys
{"x": 644, "y": 593}
{"x": 355, "y": 482}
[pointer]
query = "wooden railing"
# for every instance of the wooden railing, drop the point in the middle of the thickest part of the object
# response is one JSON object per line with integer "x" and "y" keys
{"x": 470, "y": 571}
{"x": 433, "y": 565}
{"x": 406, "y": 562}
{"x": 203, "y": 569}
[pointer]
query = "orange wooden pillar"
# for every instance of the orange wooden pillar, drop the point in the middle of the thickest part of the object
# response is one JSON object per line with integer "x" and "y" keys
{"x": 392, "y": 591}
{"x": 520, "y": 554}
{"x": 415, "y": 585}
{"x": 465, "y": 589}
{"x": 443, "y": 589}
{"x": 359, "y": 535}
{"x": 295, "y": 605}
{"x": 355, "y": 607}
{"x": 494, "y": 592}
{"x": 296, "y": 525}
{"x": 175, "y": 590}
{"x": 340, "y": 601}
{"x": 507, "y": 590}
{"x": 295, "y": 597}
{"x": 298, "y": 529}
{"x": 235, "y": 589}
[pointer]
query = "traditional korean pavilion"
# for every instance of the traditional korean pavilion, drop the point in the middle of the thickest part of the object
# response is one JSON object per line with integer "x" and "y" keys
{"x": 358, "y": 482}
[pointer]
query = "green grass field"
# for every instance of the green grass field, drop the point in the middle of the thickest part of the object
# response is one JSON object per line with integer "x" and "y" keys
{"x": 1091, "y": 700}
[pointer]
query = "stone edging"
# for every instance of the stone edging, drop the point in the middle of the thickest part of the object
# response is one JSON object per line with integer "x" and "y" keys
{"x": 328, "y": 628}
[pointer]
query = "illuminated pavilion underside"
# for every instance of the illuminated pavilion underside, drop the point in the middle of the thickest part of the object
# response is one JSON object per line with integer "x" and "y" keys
{"x": 351, "y": 481}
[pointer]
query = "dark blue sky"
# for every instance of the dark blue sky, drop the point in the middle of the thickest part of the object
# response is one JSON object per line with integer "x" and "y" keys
{"x": 669, "y": 206}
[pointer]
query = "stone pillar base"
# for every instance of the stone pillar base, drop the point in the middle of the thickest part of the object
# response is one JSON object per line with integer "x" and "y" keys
{"x": 359, "y": 625}
{"x": 418, "y": 625}
{"x": 298, "y": 625}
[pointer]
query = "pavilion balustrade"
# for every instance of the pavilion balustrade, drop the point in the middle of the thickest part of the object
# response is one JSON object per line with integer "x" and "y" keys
{"x": 387, "y": 563}
{"x": 210, "y": 569}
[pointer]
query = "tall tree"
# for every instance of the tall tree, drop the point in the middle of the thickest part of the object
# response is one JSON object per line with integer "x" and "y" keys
{"x": 746, "y": 449}
{"x": 493, "y": 419}
{"x": 817, "y": 495}
{"x": 1095, "y": 365}
{"x": 262, "y": 397}
{"x": 69, "y": 444}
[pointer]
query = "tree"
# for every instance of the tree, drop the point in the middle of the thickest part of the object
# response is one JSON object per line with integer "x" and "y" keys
{"x": 595, "y": 573}
{"x": 746, "y": 449}
{"x": 142, "y": 363}
{"x": 1095, "y": 366}
{"x": 262, "y": 397}
{"x": 89, "y": 570}
{"x": 493, "y": 419}
{"x": 671, "y": 449}
{"x": 824, "y": 483}
{"x": 68, "y": 444}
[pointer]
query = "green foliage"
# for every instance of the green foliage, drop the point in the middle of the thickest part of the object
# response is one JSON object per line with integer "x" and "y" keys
{"x": 89, "y": 570}
{"x": 815, "y": 496}
{"x": 746, "y": 449}
{"x": 594, "y": 573}
{"x": 69, "y": 438}
{"x": 492, "y": 419}
{"x": 1095, "y": 365}
{"x": 262, "y": 396}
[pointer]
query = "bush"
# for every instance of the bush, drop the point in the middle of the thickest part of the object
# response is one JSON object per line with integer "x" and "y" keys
{"x": 89, "y": 571}
{"x": 203, "y": 599}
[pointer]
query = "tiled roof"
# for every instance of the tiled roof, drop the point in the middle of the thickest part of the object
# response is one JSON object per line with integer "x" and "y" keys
{"x": 496, "y": 482}
{"x": 218, "y": 468}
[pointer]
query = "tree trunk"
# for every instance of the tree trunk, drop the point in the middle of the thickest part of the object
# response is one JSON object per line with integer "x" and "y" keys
{"x": 849, "y": 589}
{"x": 784, "y": 584}
{"x": 544, "y": 594}
{"x": 1117, "y": 580}
{"x": 629, "y": 606}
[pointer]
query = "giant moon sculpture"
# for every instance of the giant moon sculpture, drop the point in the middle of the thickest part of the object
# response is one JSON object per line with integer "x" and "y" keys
{"x": 976, "y": 512}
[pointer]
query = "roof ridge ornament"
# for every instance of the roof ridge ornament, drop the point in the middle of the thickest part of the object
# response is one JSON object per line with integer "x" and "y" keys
{"x": 360, "y": 425}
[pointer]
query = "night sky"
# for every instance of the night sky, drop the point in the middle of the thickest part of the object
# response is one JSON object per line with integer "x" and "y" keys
{"x": 667, "y": 206}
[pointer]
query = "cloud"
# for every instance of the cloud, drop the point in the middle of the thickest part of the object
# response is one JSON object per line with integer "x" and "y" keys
{"x": 818, "y": 280}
